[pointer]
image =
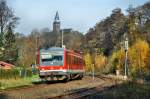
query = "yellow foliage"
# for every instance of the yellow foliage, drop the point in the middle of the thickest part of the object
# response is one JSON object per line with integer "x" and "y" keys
{"x": 100, "y": 61}
{"x": 121, "y": 59}
{"x": 139, "y": 55}
{"x": 147, "y": 60}
{"x": 27, "y": 52}
{"x": 88, "y": 62}
{"x": 118, "y": 59}
{"x": 138, "y": 58}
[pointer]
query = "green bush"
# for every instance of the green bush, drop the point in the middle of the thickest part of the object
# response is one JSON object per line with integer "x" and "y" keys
{"x": 7, "y": 74}
{"x": 28, "y": 72}
{"x": 15, "y": 73}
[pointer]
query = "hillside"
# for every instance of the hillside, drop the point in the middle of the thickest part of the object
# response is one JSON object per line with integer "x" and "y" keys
{"x": 109, "y": 34}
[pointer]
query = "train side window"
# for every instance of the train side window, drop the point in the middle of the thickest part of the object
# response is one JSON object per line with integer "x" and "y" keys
{"x": 73, "y": 59}
{"x": 70, "y": 60}
{"x": 67, "y": 58}
{"x": 78, "y": 61}
{"x": 81, "y": 62}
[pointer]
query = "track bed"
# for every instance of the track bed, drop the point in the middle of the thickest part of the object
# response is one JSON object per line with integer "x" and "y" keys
{"x": 59, "y": 89}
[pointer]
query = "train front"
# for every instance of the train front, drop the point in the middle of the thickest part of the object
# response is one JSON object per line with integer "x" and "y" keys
{"x": 51, "y": 64}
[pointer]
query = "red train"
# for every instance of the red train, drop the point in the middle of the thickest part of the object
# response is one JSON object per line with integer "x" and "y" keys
{"x": 57, "y": 63}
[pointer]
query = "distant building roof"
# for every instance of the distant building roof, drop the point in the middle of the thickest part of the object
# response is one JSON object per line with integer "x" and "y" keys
{"x": 5, "y": 65}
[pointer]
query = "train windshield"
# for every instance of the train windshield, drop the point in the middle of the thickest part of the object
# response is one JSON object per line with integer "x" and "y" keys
{"x": 51, "y": 59}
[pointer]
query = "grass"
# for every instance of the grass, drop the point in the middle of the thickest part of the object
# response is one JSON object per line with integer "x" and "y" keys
{"x": 13, "y": 83}
{"x": 127, "y": 90}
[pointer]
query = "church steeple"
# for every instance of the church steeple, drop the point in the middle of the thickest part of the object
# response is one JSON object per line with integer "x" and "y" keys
{"x": 56, "y": 23}
{"x": 57, "y": 16}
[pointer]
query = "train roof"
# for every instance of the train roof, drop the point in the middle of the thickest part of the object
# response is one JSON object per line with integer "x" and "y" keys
{"x": 53, "y": 49}
{"x": 58, "y": 49}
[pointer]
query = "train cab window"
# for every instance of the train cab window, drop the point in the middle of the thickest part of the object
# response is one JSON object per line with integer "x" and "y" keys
{"x": 52, "y": 59}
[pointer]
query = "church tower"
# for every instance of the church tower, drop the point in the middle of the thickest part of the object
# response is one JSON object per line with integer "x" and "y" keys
{"x": 56, "y": 23}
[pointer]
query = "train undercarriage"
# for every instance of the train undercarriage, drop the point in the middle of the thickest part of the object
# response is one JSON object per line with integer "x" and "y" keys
{"x": 58, "y": 76}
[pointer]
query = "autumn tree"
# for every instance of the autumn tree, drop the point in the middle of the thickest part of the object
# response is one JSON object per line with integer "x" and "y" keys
{"x": 100, "y": 62}
{"x": 8, "y": 22}
{"x": 139, "y": 57}
{"x": 28, "y": 47}
{"x": 7, "y": 18}
{"x": 10, "y": 53}
{"x": 107, "y": 33}
{"x": 117, "y": 60}
{"x": 88, "y": 62}
{"x": 26, "y": 52}
{"x": 147, "y": 61}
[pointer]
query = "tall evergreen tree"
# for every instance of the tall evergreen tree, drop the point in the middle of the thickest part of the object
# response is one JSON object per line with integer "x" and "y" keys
{"x": 7, "y": 18}
{"x": 8, "y": 21}
{"x": 10, "y": 49}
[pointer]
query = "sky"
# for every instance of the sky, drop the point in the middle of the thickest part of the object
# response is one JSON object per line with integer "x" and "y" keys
{"x": 79, "y": 15}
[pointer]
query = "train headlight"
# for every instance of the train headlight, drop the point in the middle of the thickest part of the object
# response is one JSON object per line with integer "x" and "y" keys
{"x": 42, "y": 68}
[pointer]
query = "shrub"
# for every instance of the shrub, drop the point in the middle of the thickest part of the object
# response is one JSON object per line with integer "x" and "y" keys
{"x": 100, "y": 63}
{"x": 88, "y": 62}
{"x": 15, "y": 73}
{"x": 7, "y": 74}
{"x": 138, "y": 59}
{"x": 117, "y": 60}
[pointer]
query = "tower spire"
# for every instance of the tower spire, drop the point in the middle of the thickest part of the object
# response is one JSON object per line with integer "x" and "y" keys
{"x": 57, "y": 16}
{"x": 56, "y": 23}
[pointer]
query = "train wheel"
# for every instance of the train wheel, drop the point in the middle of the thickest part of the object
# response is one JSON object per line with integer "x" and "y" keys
{"x": 67, "y": 78}
{"x": 80, "y": 76}
{"x": 71, "y": 76}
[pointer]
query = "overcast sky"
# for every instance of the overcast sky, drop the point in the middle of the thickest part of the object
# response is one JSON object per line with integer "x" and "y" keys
{"x": 77, "y": 14}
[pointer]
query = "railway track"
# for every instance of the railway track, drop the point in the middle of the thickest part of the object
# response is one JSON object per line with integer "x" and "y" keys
{"x": 34, "y": 85}
{"x": 82, "y": 93}
{"x": 39, "y": 84}
{"x": 75, "y": 93}
{"x": 85, "y": 92}
{"x": 22, "y": 87}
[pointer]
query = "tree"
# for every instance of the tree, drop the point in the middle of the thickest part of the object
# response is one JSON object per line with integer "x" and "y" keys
{"x": 10, "y": 49}
{"x": 28, "y": 47}
{"x": 107, "y": 33}
{"x": 88, "y": 62}
{"x": 27, "y": 51}
{"x": 7, "y": 19}
{"x": 8, "y": 22}
{"x": 117, "y": 60}
{"x": 9, "y": 38}
{"x": 100, "y": 62}
{"x": 139, "y": 57}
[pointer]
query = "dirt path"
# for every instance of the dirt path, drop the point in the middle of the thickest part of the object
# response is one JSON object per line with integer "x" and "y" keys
{"x": 51, "y": 90}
